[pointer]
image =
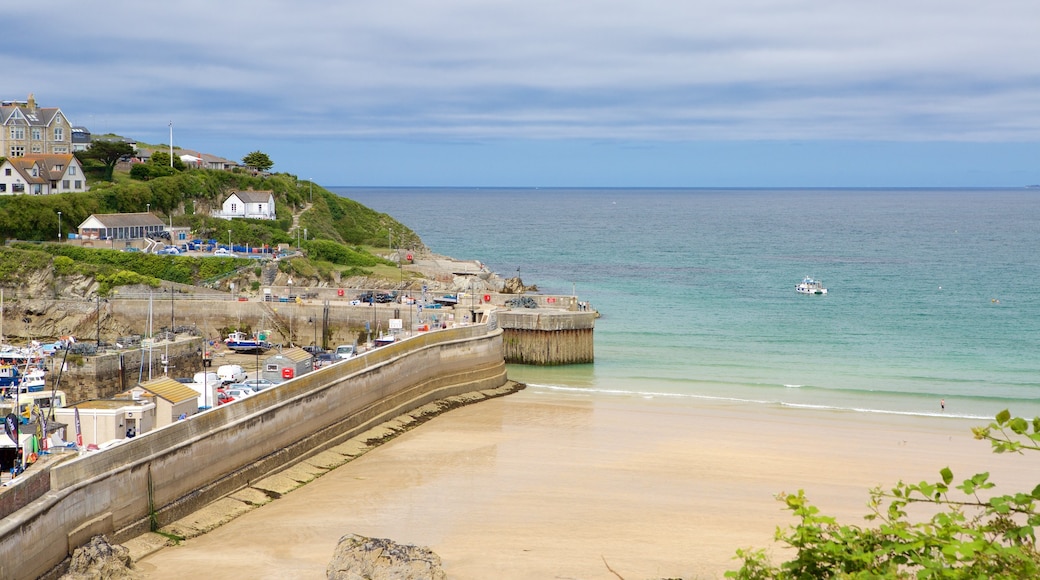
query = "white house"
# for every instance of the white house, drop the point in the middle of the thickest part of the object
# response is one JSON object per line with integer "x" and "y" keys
{"x": 248, "y": 204}
{"x": 42, "y": 175}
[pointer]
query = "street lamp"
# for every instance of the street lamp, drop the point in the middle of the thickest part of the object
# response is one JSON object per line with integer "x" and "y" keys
{"x": 229, "y": 241}
{"x": 148, "y": 207}
{"x": 59, "y": 226}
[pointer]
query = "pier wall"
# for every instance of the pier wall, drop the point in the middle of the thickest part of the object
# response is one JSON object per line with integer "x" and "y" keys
{"x": 547, "y": 337}
{"x": 107, "y": 374}
{"x": 169, "y": 473}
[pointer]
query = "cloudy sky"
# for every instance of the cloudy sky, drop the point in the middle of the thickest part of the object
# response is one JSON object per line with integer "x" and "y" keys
{"x": 555, "y": 93}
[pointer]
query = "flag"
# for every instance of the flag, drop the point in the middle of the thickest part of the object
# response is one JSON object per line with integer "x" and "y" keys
{"x": 79, "y": 433}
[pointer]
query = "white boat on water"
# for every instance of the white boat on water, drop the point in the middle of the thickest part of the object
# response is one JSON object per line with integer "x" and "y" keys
{"x": 810, "y": 286}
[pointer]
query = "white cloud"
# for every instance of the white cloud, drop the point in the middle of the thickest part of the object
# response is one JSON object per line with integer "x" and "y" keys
{"x": 654, "y": 69}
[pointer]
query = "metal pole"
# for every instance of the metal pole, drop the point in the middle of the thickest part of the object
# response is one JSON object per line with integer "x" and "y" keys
{"x": 59, "y": 226}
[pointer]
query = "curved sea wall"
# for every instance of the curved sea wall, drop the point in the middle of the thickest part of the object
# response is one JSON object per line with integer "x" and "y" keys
{"x": 166, "y": 474}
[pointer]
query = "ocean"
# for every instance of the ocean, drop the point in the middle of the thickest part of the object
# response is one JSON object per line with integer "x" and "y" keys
{"x": 931, "y": 292}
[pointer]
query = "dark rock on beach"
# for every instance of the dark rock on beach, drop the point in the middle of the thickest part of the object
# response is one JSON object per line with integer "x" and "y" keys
{"x": 100, "y": 560}
{"x": 361, "y": 558}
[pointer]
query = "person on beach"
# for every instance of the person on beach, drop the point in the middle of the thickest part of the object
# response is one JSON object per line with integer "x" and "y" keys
{"x": 942, "y": 404}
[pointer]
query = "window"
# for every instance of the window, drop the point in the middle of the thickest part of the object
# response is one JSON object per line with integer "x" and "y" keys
{"x": 18, "y": 133}
{"x": 37, "y": 135}
{"x": 18, "y": 188}
{"x": 61, "y": 149}
{"x": 35, "y": 172}
{"x": 17, "y": 151}
{"x": 7, "y": 171}
{"x": 79, "y": 184}
{"x": 3, "y": 187}
{"x": 59, "y": 134}
{"x": 36, "y": 148}
{"x": 234, "y": 207}
{"x": 72, "y": 170}
{"x": 65, "y": 184}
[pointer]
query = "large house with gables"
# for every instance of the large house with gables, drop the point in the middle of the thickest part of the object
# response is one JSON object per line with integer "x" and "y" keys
{"x": 248, "y": 204}
{"x": 41, "y": 174}
{"x": 26, "y": 129}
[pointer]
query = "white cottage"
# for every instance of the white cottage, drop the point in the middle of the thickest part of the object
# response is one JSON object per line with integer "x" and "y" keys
{"x": 41, "y": 175}
{"x": 249, "y": 204}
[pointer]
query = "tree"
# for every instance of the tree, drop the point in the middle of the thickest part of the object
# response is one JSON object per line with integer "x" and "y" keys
{"x": 108, "y": 153}
{"x": 162, "y": 159}
{"x": 967, "y": 537}
{"x": 258, "y": 160}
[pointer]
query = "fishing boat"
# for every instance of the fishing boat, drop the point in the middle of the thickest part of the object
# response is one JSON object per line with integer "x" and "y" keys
{"x": 242, "y": 343}
{"x": 12, "y": 379}
{"x": 810, "y": 286}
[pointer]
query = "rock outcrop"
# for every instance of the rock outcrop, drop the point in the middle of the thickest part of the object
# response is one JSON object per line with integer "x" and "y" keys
{"x": 100, "y": 560}
{"x": 515, "y": 285}
{"x": 361, "y": 558}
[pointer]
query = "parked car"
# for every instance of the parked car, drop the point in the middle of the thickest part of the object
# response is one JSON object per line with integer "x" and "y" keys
{"x": 345, "y": 351}
{"x": 313, "y": 349}
{"x": 325, "y": 359}
{"x": 366, "y": 297}
{"x": 231, "y": 374}
{"x": 223, "y": 398}
{"x": 237, "y": 393}
{"x": 258, "y": 384}
{"x": 223, "y": 253}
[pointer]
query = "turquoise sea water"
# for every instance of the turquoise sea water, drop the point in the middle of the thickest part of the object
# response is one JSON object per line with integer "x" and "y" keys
{"x": 932, "y": 294}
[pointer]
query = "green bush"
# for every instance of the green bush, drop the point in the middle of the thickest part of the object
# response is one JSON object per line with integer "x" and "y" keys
{"x": 969, "y": 537}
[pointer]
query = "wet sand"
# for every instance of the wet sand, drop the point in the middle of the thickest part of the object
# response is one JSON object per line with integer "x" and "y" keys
{"x": 541, "y": 484}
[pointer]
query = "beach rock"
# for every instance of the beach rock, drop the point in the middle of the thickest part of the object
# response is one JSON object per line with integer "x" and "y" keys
{"x": 361, "y": 558}
{"x": 98, "y": 560}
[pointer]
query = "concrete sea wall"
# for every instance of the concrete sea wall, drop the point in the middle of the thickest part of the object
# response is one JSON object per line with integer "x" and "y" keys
{"x": 166, "y": 474}
{"x": 547, "y": 337}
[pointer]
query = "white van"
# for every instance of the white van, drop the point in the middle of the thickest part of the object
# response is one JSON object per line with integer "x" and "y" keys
{"x": 231, "y": 374}
{"x": 345, "y": 351}
{"x": 206, "y": 379}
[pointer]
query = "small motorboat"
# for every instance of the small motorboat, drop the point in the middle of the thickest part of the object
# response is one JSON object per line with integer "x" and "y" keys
{"x": 810, "y": 286}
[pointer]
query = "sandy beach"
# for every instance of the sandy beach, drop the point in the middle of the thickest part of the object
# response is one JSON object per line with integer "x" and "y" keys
{"x": 542, "y": 484}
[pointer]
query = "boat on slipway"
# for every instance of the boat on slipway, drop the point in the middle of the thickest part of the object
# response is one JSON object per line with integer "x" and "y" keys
{"x": 810, "y": 286}
{"x": 240, "y": 342}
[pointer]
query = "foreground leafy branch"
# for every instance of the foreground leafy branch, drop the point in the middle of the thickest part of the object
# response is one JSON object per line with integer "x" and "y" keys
{"x": 969, "y": 535}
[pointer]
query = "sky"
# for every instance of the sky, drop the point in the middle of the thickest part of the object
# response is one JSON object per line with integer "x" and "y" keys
{"x": 606, "y": 93}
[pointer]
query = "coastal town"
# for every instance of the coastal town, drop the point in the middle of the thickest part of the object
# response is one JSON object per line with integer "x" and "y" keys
{"x": 92, "y": 372}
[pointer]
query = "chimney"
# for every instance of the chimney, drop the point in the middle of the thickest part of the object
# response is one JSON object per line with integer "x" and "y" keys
{"x": 32, "y": 103}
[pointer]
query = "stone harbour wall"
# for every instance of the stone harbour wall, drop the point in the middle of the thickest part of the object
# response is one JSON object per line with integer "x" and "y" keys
{"x": 166, "y": 474}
